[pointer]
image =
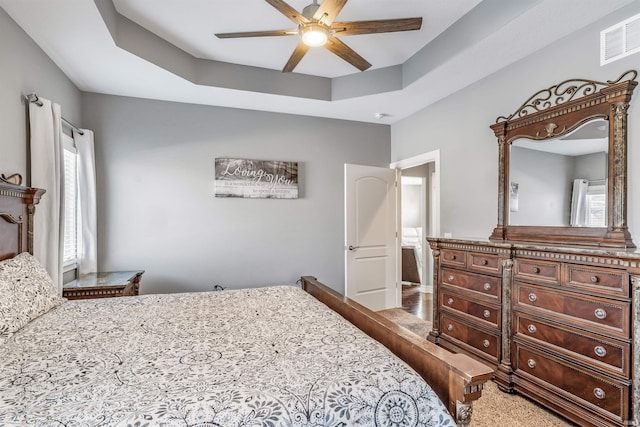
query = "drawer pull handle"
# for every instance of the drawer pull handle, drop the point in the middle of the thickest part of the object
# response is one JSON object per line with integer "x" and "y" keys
{"x": 531, "y": 363}
{"x": 485, "y": 262}
{"x": 451, "y": 278}
{"x": 486, "y": 343}
{"x": 453, "y": 257}
{"x": 599, "y": 393}
{"x": 486, "y": 314}
{"x": 600, "y": 313}
{"x": 533, "y": 297}
{"x": 487, "y": 286}
{"x": 600, "y": 351}
{"x": 535, "y": 270}
{"x": 449, "y": 327}
{"x": 450, "y": 301}
{"x": 594, "y": 279}
{"x": 532, "y": 329}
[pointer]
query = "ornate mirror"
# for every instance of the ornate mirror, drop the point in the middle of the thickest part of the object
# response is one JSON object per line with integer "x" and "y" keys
{"x": 563, "y": 165}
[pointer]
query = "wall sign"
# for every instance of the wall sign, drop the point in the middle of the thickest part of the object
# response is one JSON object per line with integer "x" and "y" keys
{"x": 265, "y": 179}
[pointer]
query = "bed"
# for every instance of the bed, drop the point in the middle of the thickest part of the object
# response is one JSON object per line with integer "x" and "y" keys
{"x": 271, "y": 356}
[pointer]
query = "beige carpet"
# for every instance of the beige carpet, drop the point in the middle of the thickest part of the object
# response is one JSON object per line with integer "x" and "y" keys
{"x": 494, "y": 408}
{"x": 408, "y": 321}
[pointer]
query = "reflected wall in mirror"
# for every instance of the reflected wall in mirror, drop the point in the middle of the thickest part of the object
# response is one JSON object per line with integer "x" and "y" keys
{"x": 560, "y": 182}
{"x": 547, "y": 191}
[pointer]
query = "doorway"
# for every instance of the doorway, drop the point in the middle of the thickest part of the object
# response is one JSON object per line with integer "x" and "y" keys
{"x": 420, "y": 218}
{"x": 413, "y": 224}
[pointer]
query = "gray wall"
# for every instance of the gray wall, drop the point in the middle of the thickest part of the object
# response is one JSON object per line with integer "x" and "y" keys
{"x": 545, "y": 183}
{"x": 459, "y": 127}
{"x": 422, "y": 171}
{"x": 544, "y": 187}
{"x": 411, "y": 214}
{"x": 591, "y": 167}
{"x": 25, "y": 68}
{"x": 155, "y": 166}
{"x": 156, "y": 209}
{"x": 155, "y": 180}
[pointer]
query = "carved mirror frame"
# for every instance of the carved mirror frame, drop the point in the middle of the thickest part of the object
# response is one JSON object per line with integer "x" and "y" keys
{"x": 555, "y": 112}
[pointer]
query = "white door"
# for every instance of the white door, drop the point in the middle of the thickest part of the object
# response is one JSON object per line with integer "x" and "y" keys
{"x": 371, "y": 274}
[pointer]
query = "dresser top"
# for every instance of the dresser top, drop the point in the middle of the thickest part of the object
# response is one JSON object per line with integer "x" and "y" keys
{"x": 104, "y": 279}
{"x": 630, "y": 254}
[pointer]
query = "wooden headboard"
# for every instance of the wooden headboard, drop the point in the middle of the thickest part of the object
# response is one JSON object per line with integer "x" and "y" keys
{"x": 17, "y": 207}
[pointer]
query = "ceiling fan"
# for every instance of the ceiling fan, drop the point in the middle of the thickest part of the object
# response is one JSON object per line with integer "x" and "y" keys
{"x": 316, "y": 27}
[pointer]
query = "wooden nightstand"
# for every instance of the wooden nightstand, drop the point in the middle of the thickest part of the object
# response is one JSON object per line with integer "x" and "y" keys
{"x": 104, "y": 285}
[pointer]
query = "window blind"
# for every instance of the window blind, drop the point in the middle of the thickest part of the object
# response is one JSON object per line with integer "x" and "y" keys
{"x": 70, "y": 205}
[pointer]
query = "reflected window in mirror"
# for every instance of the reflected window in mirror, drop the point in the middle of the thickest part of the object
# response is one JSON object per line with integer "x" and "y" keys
{"x": 560, "y": 182}
{"x": 596, "y": 201}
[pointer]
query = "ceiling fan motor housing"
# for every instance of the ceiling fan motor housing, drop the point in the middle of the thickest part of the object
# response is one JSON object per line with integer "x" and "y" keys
{"x": 309, "y": 11}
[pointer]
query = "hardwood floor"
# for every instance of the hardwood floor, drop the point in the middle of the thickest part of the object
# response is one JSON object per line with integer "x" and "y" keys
{"x": 417, "y": 303}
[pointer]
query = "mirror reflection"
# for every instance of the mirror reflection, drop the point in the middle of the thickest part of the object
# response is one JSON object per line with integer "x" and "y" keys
{"x": 562, "y": 181}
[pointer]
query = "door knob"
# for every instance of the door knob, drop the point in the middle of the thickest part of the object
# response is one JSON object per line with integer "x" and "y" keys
{"x": 353, "y": 248}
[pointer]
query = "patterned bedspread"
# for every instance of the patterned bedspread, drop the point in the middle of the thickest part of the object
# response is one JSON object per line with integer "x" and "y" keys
{"x": 258, "y": 357}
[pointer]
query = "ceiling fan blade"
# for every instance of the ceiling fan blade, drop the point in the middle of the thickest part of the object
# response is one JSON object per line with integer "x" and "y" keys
{"x": 329, "y": 9}
{"x": 378, "y": 26}
{"x": 257, "y": 34}
{"x": 288, "y": 11}
{"x": 338, "y": 47}
{"x": 295, "y": 58}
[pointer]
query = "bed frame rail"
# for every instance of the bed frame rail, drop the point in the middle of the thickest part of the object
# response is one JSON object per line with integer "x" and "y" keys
{"x": 456, "y": 378}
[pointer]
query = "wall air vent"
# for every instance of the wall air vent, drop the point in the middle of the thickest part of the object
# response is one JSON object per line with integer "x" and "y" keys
{"x": 620, "y": 40}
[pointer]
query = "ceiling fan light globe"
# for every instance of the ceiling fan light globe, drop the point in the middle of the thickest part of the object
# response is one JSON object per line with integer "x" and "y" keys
{"x": 314, "y": 35}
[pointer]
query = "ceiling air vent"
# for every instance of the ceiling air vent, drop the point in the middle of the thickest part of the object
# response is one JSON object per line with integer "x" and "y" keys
{"x": 620, "y": 40}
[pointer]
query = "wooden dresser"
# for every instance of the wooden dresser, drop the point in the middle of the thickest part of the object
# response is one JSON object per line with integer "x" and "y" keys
{"x": 559, "y": 324}
{"x": 469, "y": 299}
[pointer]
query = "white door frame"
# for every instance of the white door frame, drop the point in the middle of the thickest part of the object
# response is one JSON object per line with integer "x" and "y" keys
{"x": 432, "y": 156}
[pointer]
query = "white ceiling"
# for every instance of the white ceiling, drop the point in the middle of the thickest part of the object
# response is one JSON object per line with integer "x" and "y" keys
{"x": 591, "y": 137}
{"x": 118, "y": 47}
{"x": 192, "y": 28}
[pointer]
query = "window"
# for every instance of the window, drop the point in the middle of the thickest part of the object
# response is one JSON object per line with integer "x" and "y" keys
{"x": 71, "y": 206}
{"x": 596, "y": 206}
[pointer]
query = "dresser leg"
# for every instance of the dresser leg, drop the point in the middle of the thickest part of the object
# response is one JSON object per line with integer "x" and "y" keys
{"x": 503, "y": 378}
{"x": 503, "y": 375}
{"x": 434, "y": 337}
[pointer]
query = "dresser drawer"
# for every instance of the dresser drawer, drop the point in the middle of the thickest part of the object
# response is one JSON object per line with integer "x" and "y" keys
{"x": 603, "y": 280}
{"x": 593, "y": 389}
{"x": 466, "y": 336}
{"x": 484, "y": 263}
{"x": 453, "y": 257}
{"x": 488, "y": 286}
{"x": 466, "y": 307}
{"x": 537, "y": 271}
{"x": 600, "y": 314}
{"x": 607, "y": 354}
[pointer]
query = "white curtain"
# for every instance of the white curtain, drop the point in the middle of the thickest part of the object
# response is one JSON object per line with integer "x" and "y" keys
{"x": 579, "y": 203}
{"x": 87, "y": 201}
{"x": 46, "y": 172}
